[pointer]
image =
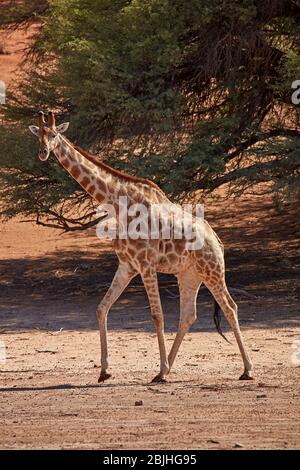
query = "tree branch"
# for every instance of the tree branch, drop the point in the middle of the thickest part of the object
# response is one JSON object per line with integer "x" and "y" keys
{"x": 255, "y": 138}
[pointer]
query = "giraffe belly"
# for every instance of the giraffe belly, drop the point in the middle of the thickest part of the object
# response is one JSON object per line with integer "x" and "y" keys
{"x": 172, "y": 263}
{"x": 164, "y": 255}
{"x": 167, "y": 269}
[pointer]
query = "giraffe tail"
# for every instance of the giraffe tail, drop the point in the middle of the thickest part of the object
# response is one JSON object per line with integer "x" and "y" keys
{"x": 217, "y": 321}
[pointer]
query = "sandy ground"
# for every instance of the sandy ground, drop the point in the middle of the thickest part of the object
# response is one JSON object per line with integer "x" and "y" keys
{"x": 49, "y": 396}
{"x": 14, "y": 44}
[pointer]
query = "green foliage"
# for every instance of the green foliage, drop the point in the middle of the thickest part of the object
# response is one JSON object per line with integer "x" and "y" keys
{"x": 27, "y": 187}
{"x": 192, "y": 94}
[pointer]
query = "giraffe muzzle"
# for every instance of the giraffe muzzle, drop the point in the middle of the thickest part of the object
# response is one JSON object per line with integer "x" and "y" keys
{"x": 44, "y": 154}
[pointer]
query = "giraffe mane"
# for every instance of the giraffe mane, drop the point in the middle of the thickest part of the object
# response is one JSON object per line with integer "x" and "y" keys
{"x": 120, "y": 174}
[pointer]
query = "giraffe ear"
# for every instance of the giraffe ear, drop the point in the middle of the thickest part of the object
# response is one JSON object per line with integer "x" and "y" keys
{"x": 34, "y": 130}
{"x": 62, "y": 127}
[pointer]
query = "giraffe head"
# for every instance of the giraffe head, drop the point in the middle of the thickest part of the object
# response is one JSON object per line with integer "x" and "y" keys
{"x": 47, "y": 134}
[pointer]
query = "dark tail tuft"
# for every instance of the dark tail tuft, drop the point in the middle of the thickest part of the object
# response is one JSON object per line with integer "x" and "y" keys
{"x": 217, "y": 320}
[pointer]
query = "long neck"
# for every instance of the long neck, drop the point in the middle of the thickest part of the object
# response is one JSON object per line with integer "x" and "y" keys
{"x": 97, "y": 182}
{"x": 104, "y": 186}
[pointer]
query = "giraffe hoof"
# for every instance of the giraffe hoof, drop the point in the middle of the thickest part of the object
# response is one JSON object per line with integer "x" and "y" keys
{"x": 159, "y": 380}
{"x": 103, "y": 376}
{"x": 246, "y": 376}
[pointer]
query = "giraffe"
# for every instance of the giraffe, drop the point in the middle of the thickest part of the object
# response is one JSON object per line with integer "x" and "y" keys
{"x": 147, "y": 256}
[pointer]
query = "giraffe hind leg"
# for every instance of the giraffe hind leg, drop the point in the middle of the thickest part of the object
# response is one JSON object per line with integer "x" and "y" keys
{"x": 229, "y": 308}
{"x": 149, "y": 277}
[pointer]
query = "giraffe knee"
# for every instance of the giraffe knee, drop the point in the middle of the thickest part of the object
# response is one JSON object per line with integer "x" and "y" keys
{"x": 232, "y": 304}
{"x": 101, "y": 313}
{"x": 188, "y": 320}
{"x": 157, "y": 319}
{"x": 232, "y": 309}
{"x": 230, "y": 313}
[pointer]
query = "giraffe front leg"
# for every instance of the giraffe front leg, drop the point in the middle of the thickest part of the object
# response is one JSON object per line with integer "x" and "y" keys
{"x": 120, "y": 281}
{"x": 189, "y": 284}
{"x": 150, "y": 282}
